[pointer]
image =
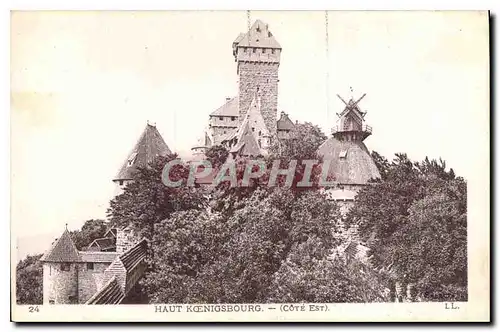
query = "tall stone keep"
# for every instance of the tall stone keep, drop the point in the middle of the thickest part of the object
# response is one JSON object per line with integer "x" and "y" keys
{"x": 257, "y": 54}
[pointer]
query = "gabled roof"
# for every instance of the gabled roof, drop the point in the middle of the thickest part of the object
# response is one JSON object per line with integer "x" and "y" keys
{"x": 111, "y": 293}
{"x": 258, "y": 36}
{"x": 104, "y": 243}
{"x": 284, "y": 122}
{"x": 62, "y": 251}
{"x": 229, "y": 108}
{"x": 111, "y": 232}
{"x": 149, "y": 146}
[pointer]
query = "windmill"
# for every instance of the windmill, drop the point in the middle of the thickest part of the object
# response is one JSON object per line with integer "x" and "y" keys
{"x": 352, "y": 105}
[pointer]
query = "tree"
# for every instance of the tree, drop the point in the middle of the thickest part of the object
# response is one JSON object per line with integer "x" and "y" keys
{"x": 304, "y": 142}
{"x": 92, "y": 229}
{"x": 147, "y": 201}
{"x": 414, "y": 220}
{"x": 217, "y": 155}
{"x": 29, "y": 280}
{"x": 214, "y": 258}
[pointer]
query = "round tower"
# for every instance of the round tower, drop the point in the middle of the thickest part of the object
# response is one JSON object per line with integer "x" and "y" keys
{"x": 60, "y": 272}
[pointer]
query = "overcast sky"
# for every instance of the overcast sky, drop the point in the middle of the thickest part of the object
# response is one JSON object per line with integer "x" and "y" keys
{"x": 84, "y": 84}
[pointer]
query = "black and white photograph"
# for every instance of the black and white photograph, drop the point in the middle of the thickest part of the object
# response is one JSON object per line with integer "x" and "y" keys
{"x": 250, "y": 165}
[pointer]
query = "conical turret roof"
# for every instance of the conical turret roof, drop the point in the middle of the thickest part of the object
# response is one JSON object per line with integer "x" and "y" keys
{"x": 149, "y": 146}
{"x": 62, "y": 251}
{"x": 350, "y": 161}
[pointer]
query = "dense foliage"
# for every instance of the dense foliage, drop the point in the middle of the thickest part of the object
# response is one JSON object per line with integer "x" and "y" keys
{"x": 91, "y": 230}
{"x": 29, "y": 280}
{"x": 415, "y": 220}
{"x": 276, "y": 244}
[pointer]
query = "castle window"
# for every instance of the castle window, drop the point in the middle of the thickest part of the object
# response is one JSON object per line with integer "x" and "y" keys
{"x": 253, "y": 129}
{"x": 254, "y": 49}
{"x": 272, "y": 51}
{"x": 121, "y": 182}
{"x": 221, "y": 118}
{"x": 65, "y": 267}
{"x": 263, "y": 51}
{"x": 260, "y": 146}
{"x": 131, "y": 159}
{"x": 90, "y": 266}
{"x": 244, "y": 49}
{"x": 233, "y": 118}
{"x": 52, "y": 302}
{"x": 260, "y": 133}
{"x": 50, "y": 270}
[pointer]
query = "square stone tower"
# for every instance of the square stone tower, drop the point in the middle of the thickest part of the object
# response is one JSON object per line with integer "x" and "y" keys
{"x": 257, "y": 54}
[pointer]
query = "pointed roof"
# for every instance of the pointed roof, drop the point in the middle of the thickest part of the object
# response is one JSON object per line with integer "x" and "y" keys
{"x": 284, "y": 122}
{"x": 62, "y": 251}
{"x": 149, "y": 146}
{"x": 255, "y": 118}
{"x": 229, "y": 108}
{"x": 246, "y": 143}
{"x": 350, "y": 161}
{"x": 258, "y": 36}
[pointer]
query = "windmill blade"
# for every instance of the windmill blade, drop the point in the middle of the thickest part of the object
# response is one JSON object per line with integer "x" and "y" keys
{"x": 343, "y": 100}
{"x": 363, "y": 96}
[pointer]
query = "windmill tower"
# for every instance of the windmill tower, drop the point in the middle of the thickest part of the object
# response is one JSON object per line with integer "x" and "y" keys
{"x": 351, "y": 165}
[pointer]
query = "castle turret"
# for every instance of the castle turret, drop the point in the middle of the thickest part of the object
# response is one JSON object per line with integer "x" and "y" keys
{"x": 257, "y": 54}
{"x": 60, "y": 272}
{"x": 203, "y": 143}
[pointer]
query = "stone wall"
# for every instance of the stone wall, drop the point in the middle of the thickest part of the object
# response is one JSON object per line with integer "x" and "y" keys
{"x": 219, "y": 132}
{"x": 60, "y": 287}
{"x": 263, "y": 75}
{"x": 90, "y": 281}
{"x": 125, "y": 239}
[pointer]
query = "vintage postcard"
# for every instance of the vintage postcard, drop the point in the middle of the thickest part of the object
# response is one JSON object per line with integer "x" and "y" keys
{"x": 249, "y": 166}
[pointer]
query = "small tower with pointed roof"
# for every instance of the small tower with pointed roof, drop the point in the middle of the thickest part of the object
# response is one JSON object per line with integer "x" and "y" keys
{"x": 200, "y": 148}
{"x": 257, "y": 54}
{"x": 60, "y": 271}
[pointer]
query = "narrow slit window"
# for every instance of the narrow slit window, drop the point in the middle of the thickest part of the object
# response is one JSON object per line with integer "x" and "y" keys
{"x": 131, "y": 159}
{"x": 90, "y": 266}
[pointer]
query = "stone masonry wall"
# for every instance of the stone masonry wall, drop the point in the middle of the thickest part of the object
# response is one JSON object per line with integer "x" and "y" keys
{"x": 125, "y": 239}
{"x": 90, "y": 281}
{"x": 219, "y": 132}
{"x": 263, "y": 75}
{"x": 58, "y": 285}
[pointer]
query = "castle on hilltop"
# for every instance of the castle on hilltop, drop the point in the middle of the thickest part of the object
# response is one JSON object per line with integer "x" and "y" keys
{"x": 247, "y": 125}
